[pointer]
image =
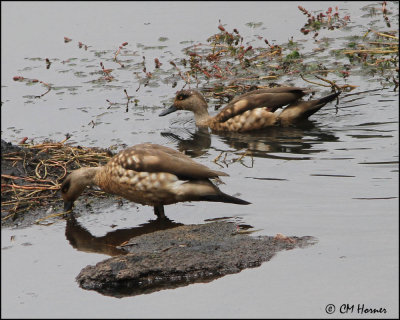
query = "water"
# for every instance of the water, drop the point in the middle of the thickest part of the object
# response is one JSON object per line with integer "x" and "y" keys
{"x": 335, "y": 178}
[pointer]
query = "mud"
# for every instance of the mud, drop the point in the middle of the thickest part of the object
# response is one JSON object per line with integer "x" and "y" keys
{"x": 183, "y": 255}
{"x": 6, "y": 166}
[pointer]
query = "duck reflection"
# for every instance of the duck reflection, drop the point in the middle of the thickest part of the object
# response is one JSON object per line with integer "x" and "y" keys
{"x": 81, "y": 239}
{"x": 266, "y": 143}
{"x": 196, "y": 145}
{"x": 273, "y": 142}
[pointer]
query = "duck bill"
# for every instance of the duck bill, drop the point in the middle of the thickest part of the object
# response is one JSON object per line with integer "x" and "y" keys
{"x": 168, "y": 111}
{"x": 68, "y": 205}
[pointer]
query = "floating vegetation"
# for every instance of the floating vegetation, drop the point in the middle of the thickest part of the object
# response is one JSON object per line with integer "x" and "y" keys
{"x": 327, "y": 20}
{"x": 117, "y": 53}
{"x": 224, "y": 162}
{"x": 33, "y": 81}
{"x": 228, "y": 64}
{"x": 369, "y": 50}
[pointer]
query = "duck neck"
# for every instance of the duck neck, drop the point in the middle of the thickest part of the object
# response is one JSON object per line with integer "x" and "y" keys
{"x": 88, "y": 176}
{"x": 81, "y": 178}
{"x": 201, "y": 115}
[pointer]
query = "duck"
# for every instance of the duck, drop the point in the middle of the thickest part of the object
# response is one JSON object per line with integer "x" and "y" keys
{"x": 253, "y": 110}
{"x": 149, "y": 174}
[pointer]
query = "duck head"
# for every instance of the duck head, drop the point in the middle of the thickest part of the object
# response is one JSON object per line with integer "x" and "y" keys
{"x": 75, "y": 183}
{"x": 190, "y": 100}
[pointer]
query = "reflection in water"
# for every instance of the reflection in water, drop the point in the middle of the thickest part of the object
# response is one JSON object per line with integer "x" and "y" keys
{"x": 262, "y": 143}
{"x": 291, "y": 140}
{"x": 81, "y": 239}
{"x": 196, "y": 145}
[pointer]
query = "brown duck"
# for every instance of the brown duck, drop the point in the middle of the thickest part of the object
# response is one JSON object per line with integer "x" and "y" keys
{"x": 149, "y": 174}
{"x": 253, "y": 110}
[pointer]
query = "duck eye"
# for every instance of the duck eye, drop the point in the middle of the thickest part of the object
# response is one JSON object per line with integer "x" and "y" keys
{"x": 182, "y": 96}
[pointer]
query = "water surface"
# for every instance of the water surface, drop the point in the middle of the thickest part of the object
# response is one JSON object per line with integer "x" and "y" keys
{"x": 334, "y": 178}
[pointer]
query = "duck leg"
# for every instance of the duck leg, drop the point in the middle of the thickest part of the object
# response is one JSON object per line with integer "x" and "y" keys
{"x": 159, "y": 211}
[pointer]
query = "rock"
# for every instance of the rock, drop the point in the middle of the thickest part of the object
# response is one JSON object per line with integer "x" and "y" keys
{"x": 181, "y": 256}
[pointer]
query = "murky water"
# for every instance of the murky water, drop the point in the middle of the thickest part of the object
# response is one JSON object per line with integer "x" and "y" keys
{"x": 334, "y": 178}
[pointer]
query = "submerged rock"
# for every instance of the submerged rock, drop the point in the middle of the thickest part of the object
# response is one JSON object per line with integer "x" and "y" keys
{"x": 181, "y": 256}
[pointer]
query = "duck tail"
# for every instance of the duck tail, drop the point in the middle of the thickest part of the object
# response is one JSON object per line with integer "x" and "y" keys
{"x": 223, "y": 197}
{"x": 318, "y": 104}
{"x": 301, "y": 110}
{"x": 329, "y": 98}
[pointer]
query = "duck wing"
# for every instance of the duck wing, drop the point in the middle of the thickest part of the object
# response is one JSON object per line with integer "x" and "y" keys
{"x": 273, "y": 98}
{"x": 156, "y": 158}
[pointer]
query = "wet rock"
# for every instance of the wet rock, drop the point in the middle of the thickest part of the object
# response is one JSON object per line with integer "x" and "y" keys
{"x": 181, "y": 256}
